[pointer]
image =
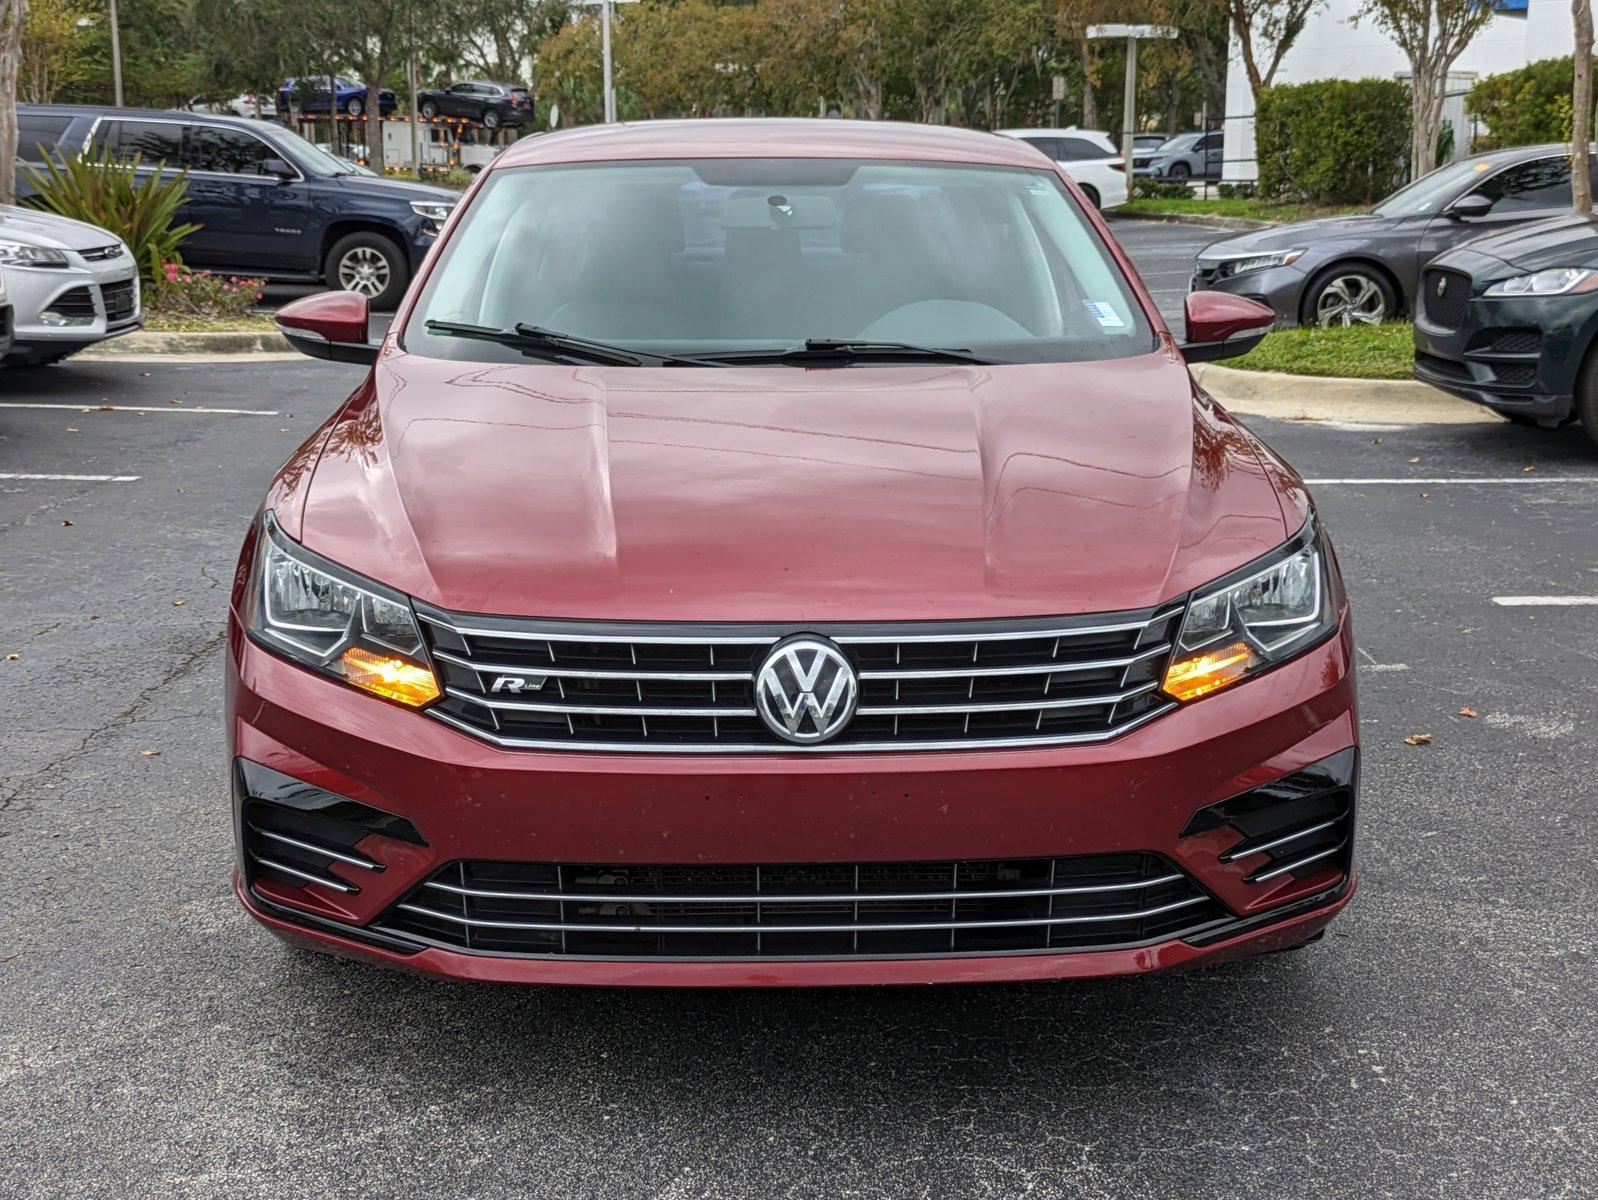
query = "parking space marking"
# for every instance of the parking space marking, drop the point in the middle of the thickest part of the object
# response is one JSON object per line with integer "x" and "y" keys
{"x": 1543, "y": 601}
{"x": 1495, "y": 479}
{"x": 73, "y": 478}
{"x": 166, "y": 408}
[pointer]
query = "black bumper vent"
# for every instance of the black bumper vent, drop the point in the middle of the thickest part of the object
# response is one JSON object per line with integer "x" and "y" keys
{"x": 1444, "y": 297}
{"x": 119, "y": 301}
{"x": 827, "y": 910}
{"x": 1298, "y": 825}
{"x": 75, "y": 303}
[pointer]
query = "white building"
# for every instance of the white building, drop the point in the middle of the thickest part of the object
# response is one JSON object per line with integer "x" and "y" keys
{"x": 1338, "y": 43}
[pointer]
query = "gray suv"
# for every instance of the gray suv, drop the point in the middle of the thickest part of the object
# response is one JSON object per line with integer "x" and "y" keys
{"x": 1185, "y": 156}
{"x": 1365, "y": 268}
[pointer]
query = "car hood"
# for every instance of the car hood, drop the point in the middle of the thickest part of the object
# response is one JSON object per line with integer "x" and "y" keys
{"x": 35, "y": 228}
{"x": 1298, "y": 235}
{"x": 784, "y": 494}
{"x": 399, "y": 189}
{"x": 1570, "y": 241}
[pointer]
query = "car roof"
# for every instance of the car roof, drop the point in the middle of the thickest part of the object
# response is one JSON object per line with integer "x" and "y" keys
{"x": 768, "y": 138}
{"x": 166, "y": 114}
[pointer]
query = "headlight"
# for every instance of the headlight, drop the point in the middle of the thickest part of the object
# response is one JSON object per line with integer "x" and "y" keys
{"x": 1256, "y": 262}
{"x": 15, "y": 254}
{"x": 1253, "y": 620}
{"x": 1555, "y": 281}
{"x": 436, "y": 211}
{"x": 328, "y": 619}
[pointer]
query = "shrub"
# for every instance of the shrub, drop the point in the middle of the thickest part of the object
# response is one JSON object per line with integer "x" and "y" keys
{"x": 1238, "y": 191}
{"x": 1160, "y": 189}
{"x": 177, "y": 291}
{"x": 109, "y": 194}
{"x": 1521, "y": 108}
{"x": 1336, "y": 141}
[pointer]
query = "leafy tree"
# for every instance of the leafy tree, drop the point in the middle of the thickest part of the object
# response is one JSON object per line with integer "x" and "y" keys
{"x": 52, "y": 49}
{"x": 1432, "y": 34}
{"x": 1524, "y": 106}
{"x": 13, "y": 18}
{"x": 1266, "y": 30}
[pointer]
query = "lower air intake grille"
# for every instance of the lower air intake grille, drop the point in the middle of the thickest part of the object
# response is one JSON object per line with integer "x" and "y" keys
{"x": 830, "y": 910}
{"x": 119, "y": 300}
{"x": 1299, "y": 825}
{"x": 76, "y": 303}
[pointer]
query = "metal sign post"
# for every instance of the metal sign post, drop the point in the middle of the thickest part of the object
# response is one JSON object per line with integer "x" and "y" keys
{"x": 1133, "y": 34}
{"x": 604, "y": 38}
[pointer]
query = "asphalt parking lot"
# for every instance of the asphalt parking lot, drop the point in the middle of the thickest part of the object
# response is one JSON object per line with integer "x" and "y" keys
{"x": 155, "y": 1042}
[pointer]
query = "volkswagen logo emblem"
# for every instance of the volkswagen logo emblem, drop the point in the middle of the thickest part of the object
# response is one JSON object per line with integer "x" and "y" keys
{"x": 806, "y": 690}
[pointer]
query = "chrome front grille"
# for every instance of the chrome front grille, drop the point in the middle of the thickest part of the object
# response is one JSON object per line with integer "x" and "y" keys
{"x": 102, "y": 253}
{"x": 785, "y": 910}
{"x": 572, "y": 685}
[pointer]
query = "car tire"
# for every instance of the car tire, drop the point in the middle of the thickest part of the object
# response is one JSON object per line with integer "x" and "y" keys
{"x": 369, "y": 264}
{"x": 1348, "y": 294}
{"x": 1092, "y": 193}
{"x": 490, "y": 119}
{"x": 1586, "y": 406}
{"x": 1180, "y": 172}
{"x": 429, "y": 109}
{"x": 353, "y": 107}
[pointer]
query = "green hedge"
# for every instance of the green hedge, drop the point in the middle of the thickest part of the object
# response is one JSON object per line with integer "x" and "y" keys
{"x": 1521, "y": 108}
{"x": 1337, "y": 141}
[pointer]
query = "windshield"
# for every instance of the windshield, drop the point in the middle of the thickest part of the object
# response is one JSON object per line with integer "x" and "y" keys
{"x": 1432, "y": 193}
{"x": 308, "y": 156}
{"x": 685, "y": 257}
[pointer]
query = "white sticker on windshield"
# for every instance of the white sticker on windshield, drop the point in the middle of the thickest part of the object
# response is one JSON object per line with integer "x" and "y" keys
{"x": 1104, "y": 314}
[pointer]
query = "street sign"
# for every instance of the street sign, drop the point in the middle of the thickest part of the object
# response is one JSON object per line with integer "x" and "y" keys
{"x": 1141, "y": 32}
{"x": 1059, "y": 87}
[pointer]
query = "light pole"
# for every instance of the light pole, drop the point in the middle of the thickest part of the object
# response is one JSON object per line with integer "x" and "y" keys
{"x": 1133, "y": 34}
{"x": 604, "y": 38}
{"x": 116, "y": 55}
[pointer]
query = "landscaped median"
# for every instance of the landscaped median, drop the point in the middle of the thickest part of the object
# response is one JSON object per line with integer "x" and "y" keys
{"x": 197, "y": 337}
{"x": 1224, "y": 212}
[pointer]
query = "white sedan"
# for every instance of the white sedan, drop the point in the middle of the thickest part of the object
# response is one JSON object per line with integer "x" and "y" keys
{"x": 1088, "y": 156}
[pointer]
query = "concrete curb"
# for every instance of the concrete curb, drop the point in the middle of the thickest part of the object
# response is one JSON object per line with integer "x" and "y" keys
{"x": 146, "y": 344}
{"x": 1318, "y": 398}
{"x": 1237, "y": 224}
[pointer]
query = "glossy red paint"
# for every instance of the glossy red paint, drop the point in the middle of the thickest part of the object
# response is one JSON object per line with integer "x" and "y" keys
{"x": 950, "y": 492}
{"x": 336, "y": 316}
{"x": 1216, "y": 316}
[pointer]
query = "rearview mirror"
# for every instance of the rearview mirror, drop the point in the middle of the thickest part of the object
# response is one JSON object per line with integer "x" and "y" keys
{"x": 330, "y": 325}
{"x": 1470, "y": 207}
{"x": 1221, "y": 325}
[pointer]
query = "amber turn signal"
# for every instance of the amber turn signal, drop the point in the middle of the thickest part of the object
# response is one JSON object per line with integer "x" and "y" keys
{"x": 388, "y": 676}
{"x": 1200, "y": 674}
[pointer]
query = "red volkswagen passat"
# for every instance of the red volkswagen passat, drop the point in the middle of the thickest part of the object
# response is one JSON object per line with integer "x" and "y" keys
{"x": 786, "y": 553}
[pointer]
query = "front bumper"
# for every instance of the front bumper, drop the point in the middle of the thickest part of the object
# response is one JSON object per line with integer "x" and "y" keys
{"x": 1519, "y": 356}
{"x": 471, "y": 802}
{"x": 1280, "y": 289}
{"x": 76, "y": 305}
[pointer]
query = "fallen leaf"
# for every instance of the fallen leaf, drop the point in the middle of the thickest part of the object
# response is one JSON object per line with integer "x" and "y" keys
{"x": 66, "y": 523}
{"x": 1425, "y": 495}
{"x": 1416, "y": 459}
{"x": 72, "y": 429}
{"x": 175, "y": 400}
{"x": 149, "y": 753}
{"x": 144, "y": 374}
{"x": 13, "y": 656}
{"x": 1376, "y": 441}
{"x": 1528, "y": 470}
{"x": 1418, "y": 739}
{"x": 1467, "y": 711}
{"x": 179, "y": 602}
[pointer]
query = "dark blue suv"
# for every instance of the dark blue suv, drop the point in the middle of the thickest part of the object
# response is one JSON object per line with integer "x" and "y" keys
{"x": 268, "y": 203}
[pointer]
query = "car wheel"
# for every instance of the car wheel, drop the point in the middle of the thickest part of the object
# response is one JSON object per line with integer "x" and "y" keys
{"x": 1349, "y": 295}
{"x": 1092, "y": 193}
{"x": 370, "y": 265}
{"x": 353, "y": 107}
{"x": 1180, "y": 172}
{"x": 490, "y": 119}
{"x": 1587, "y": 397}
{"x": 429, "y": 109}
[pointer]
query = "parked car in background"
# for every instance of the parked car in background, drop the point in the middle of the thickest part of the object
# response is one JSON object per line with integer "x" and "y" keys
{"x": 1364, "y": 269}
{"x": 1088, "y": 156}
{"x": 1142, "y": 143}
{"x": 268, "y": 202}
{"x": 5, "y": 316}
{"x": 491, "y": 104}
{"x": 311, "y": 94}
{"x": 1183, "y": 157}
{"x": 1511, "y": 322}
{"x": 245, "y": 104}
{"x": 71, "y": 285}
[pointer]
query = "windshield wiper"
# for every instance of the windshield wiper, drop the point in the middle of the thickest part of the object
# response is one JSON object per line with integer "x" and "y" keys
{"x": 846, "y": 350}
{"x": 531, "y": 339}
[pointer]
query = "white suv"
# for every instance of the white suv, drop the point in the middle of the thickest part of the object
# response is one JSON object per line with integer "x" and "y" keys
{"x": 72, "y": 284}
{"x": 1088, "y": 156}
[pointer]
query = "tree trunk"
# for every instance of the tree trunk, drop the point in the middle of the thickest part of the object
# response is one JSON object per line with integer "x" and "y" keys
{"x": 1090, "y": 109}
{"x": 1581, "y": 110}
{"x": 13, "y": 17}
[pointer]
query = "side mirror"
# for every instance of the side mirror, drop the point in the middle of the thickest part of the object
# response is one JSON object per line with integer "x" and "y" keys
{"x": 330, "y": 325}
{"x": 278, "y": 169}
{"x": 1470, "y": 207}
{"x": 1221, "y": 325}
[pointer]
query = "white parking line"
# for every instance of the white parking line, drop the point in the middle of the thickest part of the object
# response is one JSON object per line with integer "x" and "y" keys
{"x": 1460, "y": 479}
{"x": 165, "y": 408}
{"x": 1543, "y": 601}
{"x": 75, "y": 478}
